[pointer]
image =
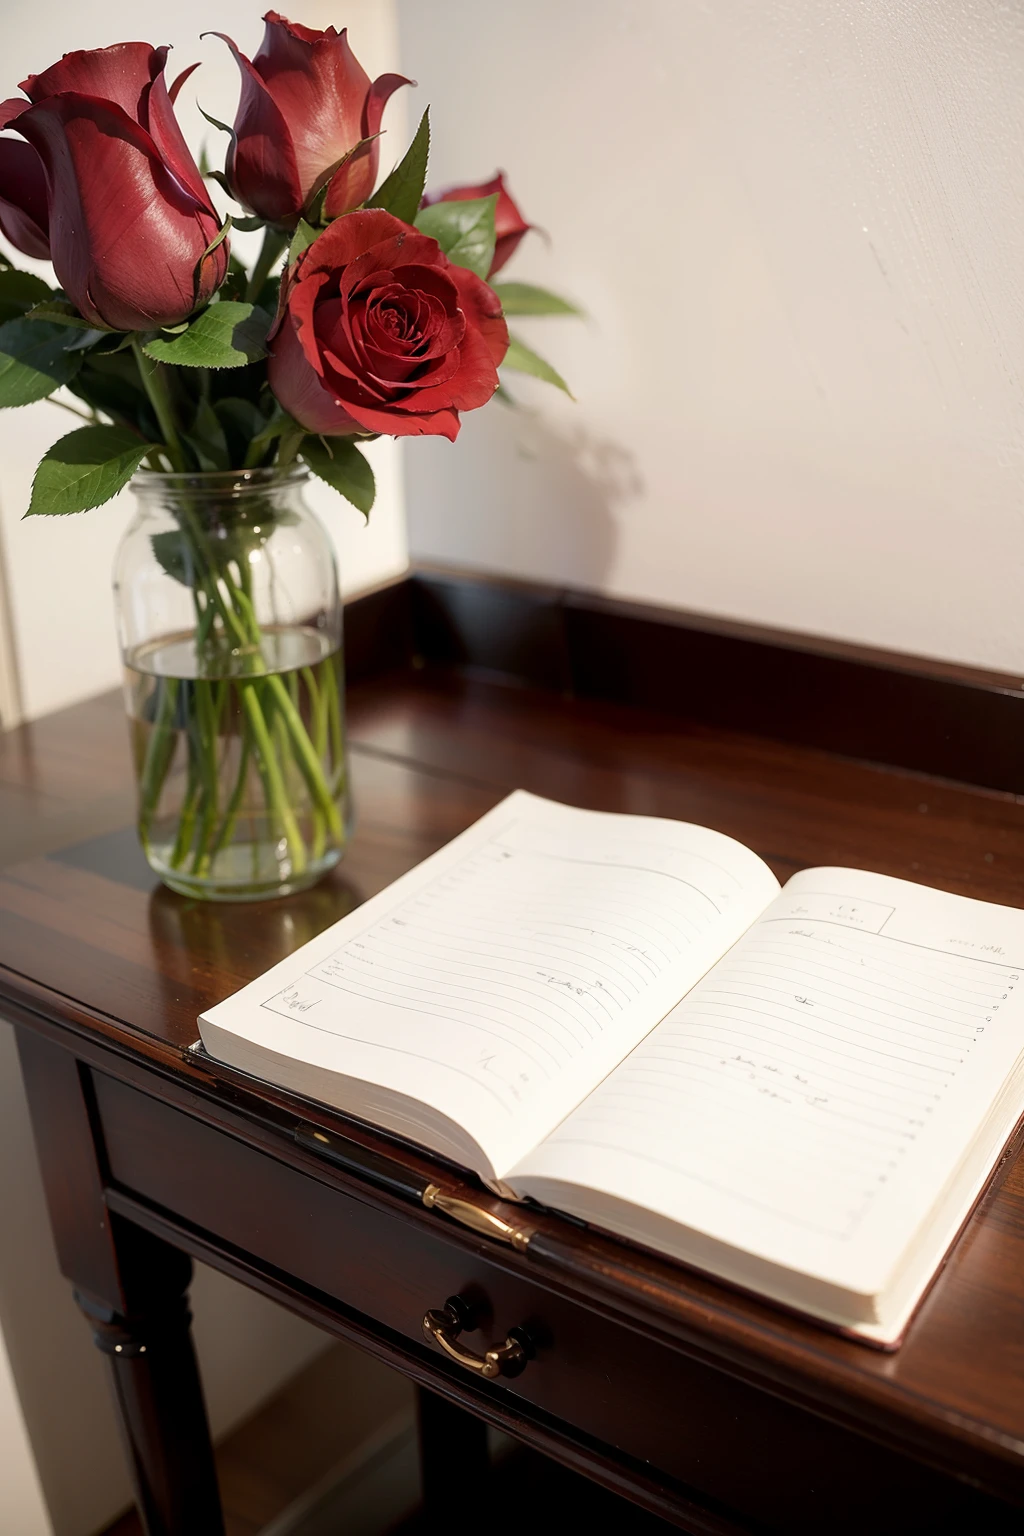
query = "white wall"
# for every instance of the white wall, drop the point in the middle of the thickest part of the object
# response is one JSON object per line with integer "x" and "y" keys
{"x": 798, "y": 227}
{"x": 58, "y": 571}
{"x": 21, "y": 1496}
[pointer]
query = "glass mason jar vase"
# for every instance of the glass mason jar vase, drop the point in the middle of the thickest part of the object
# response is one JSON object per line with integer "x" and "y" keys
{"x": 231, "y": 634}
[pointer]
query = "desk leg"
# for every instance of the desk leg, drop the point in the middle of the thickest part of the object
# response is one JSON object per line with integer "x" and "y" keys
{"x": 157, "y": 1387}
{"x": 132, "y": 1287}
{"x": 454, "y": 1464}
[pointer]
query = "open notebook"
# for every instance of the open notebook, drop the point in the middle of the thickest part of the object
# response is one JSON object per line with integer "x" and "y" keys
{"x": 800, "y": 1090}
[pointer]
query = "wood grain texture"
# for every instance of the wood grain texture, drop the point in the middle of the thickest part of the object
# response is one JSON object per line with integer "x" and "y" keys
{"x": 955, "y": 721}
{"x": 99, "y": 958}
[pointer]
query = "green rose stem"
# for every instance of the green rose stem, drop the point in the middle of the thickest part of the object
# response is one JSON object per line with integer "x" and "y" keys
{"x": 210, "y": 719}
{"x": 270, "y": 772}
{"x": 263, "y": 701}
{"x": 310, "y": 766}
{"x": 155, "y": 383}
{"x": 334, "y": 718}
{"x": 159, "y": 752}
{"x": 318, "y": 720}
{"x": 227, "y": 826}
{"x": 274, "y": 242}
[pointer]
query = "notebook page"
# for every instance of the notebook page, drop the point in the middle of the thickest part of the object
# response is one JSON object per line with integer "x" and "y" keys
{"x": 811, "y": 1098}
{"x": 503, "y": 978}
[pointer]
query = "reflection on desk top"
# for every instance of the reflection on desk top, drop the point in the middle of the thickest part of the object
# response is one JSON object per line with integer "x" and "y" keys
{"x": 88, "y": 938}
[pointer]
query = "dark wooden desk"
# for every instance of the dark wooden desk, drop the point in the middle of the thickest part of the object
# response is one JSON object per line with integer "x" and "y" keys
{"x": 717, "y": 1412}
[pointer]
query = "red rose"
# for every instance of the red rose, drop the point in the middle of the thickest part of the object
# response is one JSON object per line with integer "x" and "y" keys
{"x": 23, "y": 214}
{"x": 509, "y": 224}
{"x": 129, "y": 216}
{"x": 379, "y": 332}
{"x": 306, "y": 104}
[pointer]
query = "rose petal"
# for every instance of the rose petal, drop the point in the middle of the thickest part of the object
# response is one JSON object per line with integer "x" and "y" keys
{"x": 125, "y": 237}
{"x": 261, "y": 162}
{"x": 349, "y": 387}
{"x": 166, "y": 133}
{"x": 442, "y": 423}
{"x": 319, "y": 88}
{"x": 23, "y": 213}
{"x": 356, "y": 179}
{"x": 353, "y": 181}
{"x": 13, "y": 107}
{"x": 482, "y": 309}
{"x": 299, "y": 389}
{"x": 301, "y": 308}
{"x": 179, "y": 81}
{"x": 120, "y": 74}
{"x": 365, "y": 234}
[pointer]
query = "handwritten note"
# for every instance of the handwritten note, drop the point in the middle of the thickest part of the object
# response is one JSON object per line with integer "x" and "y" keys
{"x": 799, "y": 1074}
{"x": 530, "y": 951}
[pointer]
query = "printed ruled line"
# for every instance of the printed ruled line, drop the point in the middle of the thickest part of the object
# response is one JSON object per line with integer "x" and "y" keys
{"x": 377, "y": 1045}
{"x": 889, "y": 938}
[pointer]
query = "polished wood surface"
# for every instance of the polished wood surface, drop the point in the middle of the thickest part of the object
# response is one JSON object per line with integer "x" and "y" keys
{"x": 955, "y": 721}
{"x": 100, "y": 961}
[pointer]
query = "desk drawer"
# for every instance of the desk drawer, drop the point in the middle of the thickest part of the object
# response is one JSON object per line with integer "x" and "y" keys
{"x": 767, "y": 1462}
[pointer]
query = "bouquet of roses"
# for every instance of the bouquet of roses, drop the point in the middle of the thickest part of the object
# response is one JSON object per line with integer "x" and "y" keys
{"x": 383, "y": 321}
{"x": 370, "y": 310}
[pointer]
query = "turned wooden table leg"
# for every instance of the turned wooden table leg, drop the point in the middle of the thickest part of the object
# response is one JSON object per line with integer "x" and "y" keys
{"x": 454, "y": 1465}
{"x": 157, "y": 1387}
{"x": 133, "y": 1288}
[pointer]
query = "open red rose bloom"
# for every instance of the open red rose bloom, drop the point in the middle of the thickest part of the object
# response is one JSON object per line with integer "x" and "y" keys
{"x": 379, "y": 332}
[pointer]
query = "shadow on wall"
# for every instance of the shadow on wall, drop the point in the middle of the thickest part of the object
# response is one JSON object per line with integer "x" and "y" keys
{"x": 523, "y": 492}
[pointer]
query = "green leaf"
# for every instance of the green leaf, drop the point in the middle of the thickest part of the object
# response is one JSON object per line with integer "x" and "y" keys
{"x": 197, "y": 275}
{"x": 241, "y": 530}
{"x": 247, "y": 226}
{"x": 34, "y": 361}
{"x": 83, "y": 341}
{"x": 206, "y": 438}
{"x": 110, "y": 382}
{"x": 525, "y": 299}
{"x": 226, "y": 335}
{"x": 19, "y": 291}
{"x": 175, "y": 556}
{"x": 314, "y": 206}
{"x": 303, "y": 237}
{"x": 85, "y": 469}
{"x": 463, "y": 230}
{"x": 60, "y": 312}
{"x": 222, "y": 182}
{"x": 235, "y": 286}
{"x": 521, "y": 359}
{"x": 215, "y": 123}
{"x": 218, "y": 238}
{"x": 277, "y": 426}
{"x": 402, "y": 192}
{"x": 240, "y": 417}
{"x": 339, "y": 462}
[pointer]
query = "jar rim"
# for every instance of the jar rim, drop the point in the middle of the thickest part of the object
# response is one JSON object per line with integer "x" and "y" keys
{"x": 224, "y": 482}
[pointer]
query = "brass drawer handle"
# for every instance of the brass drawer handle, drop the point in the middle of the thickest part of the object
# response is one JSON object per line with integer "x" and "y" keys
{"x": 445, "y": 1326}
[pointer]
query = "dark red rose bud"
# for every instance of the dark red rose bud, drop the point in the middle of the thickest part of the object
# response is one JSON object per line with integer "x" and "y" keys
{"x": 509, "y": 224}
{"x": 306, "y": 105}
{"x": 377, "y": 331}
{"x": 129, "y": 216}
{"x": 23, "y": 214}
